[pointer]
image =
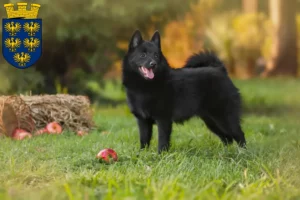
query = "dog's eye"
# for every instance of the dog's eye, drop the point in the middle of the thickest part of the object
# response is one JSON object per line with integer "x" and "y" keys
{"x": 143, "y": 55}
{"x": 155, "y": 55}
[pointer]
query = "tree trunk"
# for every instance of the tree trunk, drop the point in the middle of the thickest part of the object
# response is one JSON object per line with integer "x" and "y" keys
{"x": 231, "y": 66}
{"x": 250, "y": 6}
{"x": 284, "y": 50}
{"x": 250, "y": 67}
{"x": 14, "y": 113}
{"x": 73, "y": 112}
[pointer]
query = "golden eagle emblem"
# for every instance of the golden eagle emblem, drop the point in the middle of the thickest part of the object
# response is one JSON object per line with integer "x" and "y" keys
{"x": 12, "y": 28}
{"x": 22, "y": 58}
{"x": 12, "y": 44}
{"x": 31, "y": 43}
{"x": 31, "y": 28}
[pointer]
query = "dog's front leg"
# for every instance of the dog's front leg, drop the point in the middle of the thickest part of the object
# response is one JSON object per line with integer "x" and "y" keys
{"x": 145, "y": 129}
{"x": 164, "y": 134}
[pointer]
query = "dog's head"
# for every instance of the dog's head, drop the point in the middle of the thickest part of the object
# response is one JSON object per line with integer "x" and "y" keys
{"x": 144, "y": 57}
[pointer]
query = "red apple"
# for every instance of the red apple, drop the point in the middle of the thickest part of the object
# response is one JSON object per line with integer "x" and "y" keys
{"x": 54, "y": 128}
{"x": 41, "y": 131}
{"x": 18, "y": 130}
{"x": 107, "y": 155}
{"x": 20, "y": 134}
{"x": 81, "y": 133}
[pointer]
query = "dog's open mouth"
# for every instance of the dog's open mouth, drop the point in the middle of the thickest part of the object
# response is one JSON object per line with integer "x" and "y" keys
{"x": 147, "y": 73}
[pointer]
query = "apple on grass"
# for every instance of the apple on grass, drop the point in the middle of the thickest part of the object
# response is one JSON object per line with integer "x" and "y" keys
{"x": 20, "y": 134}
{"x": 81, "y": 133}
{"x": 107, "y": 155}
{"x": 41, "y": 131}
{"x": 54, "y": 128}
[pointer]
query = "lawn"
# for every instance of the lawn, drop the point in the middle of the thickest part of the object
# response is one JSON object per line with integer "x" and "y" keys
{"x": 198, "y": 166}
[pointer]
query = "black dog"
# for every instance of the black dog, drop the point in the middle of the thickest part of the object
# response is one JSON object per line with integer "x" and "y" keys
{"x": 159, "y": 94}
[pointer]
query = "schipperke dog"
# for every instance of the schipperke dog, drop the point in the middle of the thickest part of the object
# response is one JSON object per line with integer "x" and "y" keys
{"x": 158, "y": 94}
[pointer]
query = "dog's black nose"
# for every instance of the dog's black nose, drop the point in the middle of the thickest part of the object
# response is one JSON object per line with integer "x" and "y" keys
{"x": 152, "y": 64}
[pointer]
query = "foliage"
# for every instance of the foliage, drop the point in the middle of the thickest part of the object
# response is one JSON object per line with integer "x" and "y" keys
{"x": 298, "y": 37}
{"x": 220, "y": 35}
{"x": 18, "y": 81}
{"x": 184, "y": 37}
{"x": 240, "y": 39}
{"x": 250, "y": 32}
{"x": 197, "y": 167}
{"x": 83, "y": 41}
{"x": 84, "y": 34}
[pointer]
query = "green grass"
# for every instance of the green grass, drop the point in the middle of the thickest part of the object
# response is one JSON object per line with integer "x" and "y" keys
{"x": 197, "y": 166}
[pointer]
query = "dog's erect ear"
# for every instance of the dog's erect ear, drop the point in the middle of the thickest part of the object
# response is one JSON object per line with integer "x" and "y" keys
{"x": 136, "y": 39}
{"x": 156, "y": 38}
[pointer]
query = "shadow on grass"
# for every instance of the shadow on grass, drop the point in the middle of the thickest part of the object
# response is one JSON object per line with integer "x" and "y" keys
{"x": 272, "y": 110}
{"x": 263, "y": 110}
{"x": 257, "y": 108}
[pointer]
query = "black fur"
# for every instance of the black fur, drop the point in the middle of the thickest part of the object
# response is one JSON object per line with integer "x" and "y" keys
{"x": 201, "y": 88}
{"x": 205, "y": 59}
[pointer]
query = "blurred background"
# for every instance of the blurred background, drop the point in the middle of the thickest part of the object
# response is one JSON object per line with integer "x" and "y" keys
{"x": 84, "y": 42}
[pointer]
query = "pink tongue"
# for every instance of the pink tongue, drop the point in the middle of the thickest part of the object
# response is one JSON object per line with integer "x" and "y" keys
{"x": 148, "y": 73}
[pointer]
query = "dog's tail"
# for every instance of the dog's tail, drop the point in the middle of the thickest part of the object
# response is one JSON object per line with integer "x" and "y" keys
{"x": 205, "y": 59}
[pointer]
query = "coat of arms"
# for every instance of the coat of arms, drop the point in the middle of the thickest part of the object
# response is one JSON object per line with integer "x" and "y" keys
{"x": 22, "y": 35}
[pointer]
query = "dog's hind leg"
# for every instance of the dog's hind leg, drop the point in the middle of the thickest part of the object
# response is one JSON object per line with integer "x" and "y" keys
{"x": 239, "y": 136}
{"x": 219, "y": 132}
{"x": 231, "y": 127}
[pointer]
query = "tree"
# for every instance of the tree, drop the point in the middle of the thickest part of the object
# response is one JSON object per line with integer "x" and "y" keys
{"x": 83, "y": 35}
{"x": 250, "y": 6}
{"x": 284, "y": 47}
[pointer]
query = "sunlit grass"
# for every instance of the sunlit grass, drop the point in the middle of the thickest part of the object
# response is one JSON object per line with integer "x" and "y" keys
{"x": 197, "y": 166}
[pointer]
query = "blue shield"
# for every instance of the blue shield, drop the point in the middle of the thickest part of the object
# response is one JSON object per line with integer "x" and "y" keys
{"x": 22, "y": 41}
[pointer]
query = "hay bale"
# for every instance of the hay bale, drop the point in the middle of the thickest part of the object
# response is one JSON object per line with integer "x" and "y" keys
{"x": 72, "y": 112}
{"x": 14, "y": 113}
